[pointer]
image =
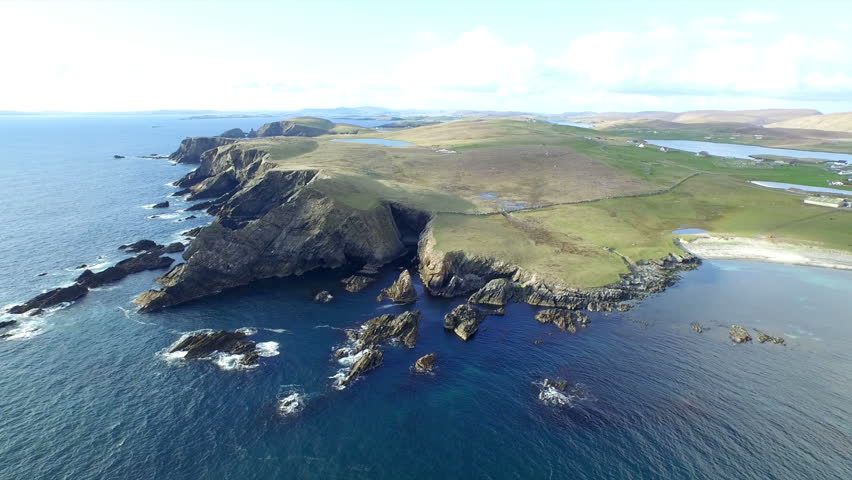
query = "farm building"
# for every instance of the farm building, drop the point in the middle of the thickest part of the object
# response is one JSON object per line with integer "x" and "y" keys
{"x": 821, "y": 201}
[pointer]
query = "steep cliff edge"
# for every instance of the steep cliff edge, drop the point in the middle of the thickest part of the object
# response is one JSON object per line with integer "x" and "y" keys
{"x": 191, "y": 148}
{"x": 271, "y": 223}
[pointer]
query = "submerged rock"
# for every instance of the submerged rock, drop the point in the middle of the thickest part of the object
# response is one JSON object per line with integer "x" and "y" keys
{"x": 8, "y": 323}
{"x": 161, "y": 205}
{"x": 697, "y": 327}
{"x": 739, "y": 334}
{"x": 356, "y": 283}
{"x": 464, "y": 320}
{"x": 558, "y": 384}
{"x": 402, "y": 290}
{"x": 51, "y": 298}
{"x": 763, "y": 338}
{"x": 323, "y": 297}
{"x": 426, "y": 363}
{"x": 117, "y": 156}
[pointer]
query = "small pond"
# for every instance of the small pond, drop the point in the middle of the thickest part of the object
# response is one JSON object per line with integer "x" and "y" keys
{"x": 745, "y": 151}
{"x": 807, "y": 188}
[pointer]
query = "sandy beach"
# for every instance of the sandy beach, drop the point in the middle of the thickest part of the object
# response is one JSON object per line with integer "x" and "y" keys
{"x": 713, "y": 247}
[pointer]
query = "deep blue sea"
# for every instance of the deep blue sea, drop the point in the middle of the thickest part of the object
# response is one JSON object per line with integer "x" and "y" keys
{"x": 85, "y": 392}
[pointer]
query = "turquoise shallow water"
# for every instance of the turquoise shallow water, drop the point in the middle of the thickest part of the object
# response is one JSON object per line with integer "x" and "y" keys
{"x": 90, "y": 397}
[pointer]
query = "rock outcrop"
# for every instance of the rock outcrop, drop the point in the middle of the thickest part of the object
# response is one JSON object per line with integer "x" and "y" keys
{"x": 161, "y": 205}
{"x": 8, "y": 323}
{"x": 51, "y": 298}
{"x": 697, "y": 327}
{"x": 356, "y": 283}
{"x": 464, "y": 320}
{"x": 739, "y": 334}
{"x": 204, "y": 344}
{"x": 294, "y": 128}
{"x": 233, "y": 133}
{"x": 402, "y": 290}
{"x": 495, "y": 282}
{"x": 369, "y": 359}
{"x": 426, "y": 363}
{"x": 191, "y": 148}
{"x": 323, "y": 297}
{"x": 763, "y": 338}
{"x": 566, "y": 320}
{"x": 140, "y": 246}
{"x": 271, "y": 224}
{"x": 151, "y": 260}
{"x": 376, "y": 331}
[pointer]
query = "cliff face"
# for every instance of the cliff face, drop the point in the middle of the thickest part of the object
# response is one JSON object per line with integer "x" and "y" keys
{"x": 191, "y": 148}
{"x": 271, "y": 224}
{"x": 494, "y": 282}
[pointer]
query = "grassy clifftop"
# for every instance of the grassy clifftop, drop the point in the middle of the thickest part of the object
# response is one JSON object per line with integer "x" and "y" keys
{"x": 558, "y": 200}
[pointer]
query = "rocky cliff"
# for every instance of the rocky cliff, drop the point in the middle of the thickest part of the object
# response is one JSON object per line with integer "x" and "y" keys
{"x": 491, "y": 281}
{"x": 191, "y": 148}
{"x": 289, "y": 128}
{"x": 270, "y": 223}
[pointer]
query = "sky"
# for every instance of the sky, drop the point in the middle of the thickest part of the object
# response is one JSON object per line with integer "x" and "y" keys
{"x": 534, "y": 56}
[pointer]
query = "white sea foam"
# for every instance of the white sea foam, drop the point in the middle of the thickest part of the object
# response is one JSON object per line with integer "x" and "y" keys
{"x": 227, "y": 361}
{"x": 267, "y": 349}
{"x": 291, "y": 402}
{"x": 173, "y": 356}
{"x": 164, "y": 216}
{"x": 277, "y": 330}
{"x": 26, "y": 328}
{"x": 247, "y": 330}
{"x": 327, "y": 326}
{"x": 552, "y": 396}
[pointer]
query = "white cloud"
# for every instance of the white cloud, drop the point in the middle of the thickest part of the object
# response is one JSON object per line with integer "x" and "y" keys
{"x": 755, "y": 17}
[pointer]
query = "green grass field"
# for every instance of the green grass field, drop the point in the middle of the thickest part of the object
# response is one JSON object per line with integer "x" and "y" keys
{"x": 590, "y": 195}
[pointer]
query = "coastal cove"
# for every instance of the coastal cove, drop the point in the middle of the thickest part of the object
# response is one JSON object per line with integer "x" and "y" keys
{"x": 110, "y": 403}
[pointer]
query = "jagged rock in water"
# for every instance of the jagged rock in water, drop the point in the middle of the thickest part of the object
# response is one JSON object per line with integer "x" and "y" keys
{"x": 181, "y": 192}
{"x": 763, "y": 338}
{"x": 51, "y": 298}
{"x": 369, "y": 270}
{"x": 498, "y": 312}
{"x": 191, "y": 148}
{"x": 117, "y": 156}
{"x": 566, "y": 320}
{"x": 356, "y": 283}
{"x": 403, "y": 327}
{"x": 464, "y": 320}
{"x": 697, "y": 327}
{"x": 739, "y": 334}
{"x": 191, "y": 232}
{"x": 558, "y": 384}
{"x": 370, "y": 359}
{"x": 204, "y": 344}
{"x": 499, "y": 291}
{"x": 426, "y": 363}
{"x": 402, "y": 290}
{"x": 323, "y": 297}
{"x": 175, "y": 247}
{"x": 140, "y": 246}
{"x": 144, "y": 261}
{"x": 161, "y": 205}
{"x": 8, "y": 323}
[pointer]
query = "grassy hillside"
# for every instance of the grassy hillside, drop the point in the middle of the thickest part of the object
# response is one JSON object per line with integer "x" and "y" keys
{"x": 582, "y": 194}
{"x": 834, "y": 122}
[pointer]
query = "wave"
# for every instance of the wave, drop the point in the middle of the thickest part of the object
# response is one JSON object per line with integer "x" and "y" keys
{"x": 231, "y": 361}
{"x": 164, "y": 216}
{"x": 277, "y": 330}
{"x": 267, "y": 349}
{"x": 552, "y": 396}
{"x": 328, "y": 326}
{"x": 25, "y": 329}
{"x": 247, "y": 330}
{"x": 292, "y": 401}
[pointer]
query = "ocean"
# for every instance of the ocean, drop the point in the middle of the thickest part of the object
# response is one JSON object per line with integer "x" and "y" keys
{"x": 86, "y": 391}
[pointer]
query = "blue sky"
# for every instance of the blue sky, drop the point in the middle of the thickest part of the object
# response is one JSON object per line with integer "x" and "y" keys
{"x": 545, "y": 56}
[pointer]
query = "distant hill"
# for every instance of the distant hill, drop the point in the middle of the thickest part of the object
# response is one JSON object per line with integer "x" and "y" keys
{"x": 833, "y": 122}
{"x": 752, "y": 117}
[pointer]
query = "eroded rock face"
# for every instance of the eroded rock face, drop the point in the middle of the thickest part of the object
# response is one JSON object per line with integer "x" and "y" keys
{"x": 51, "y": 298}
{"x": 191, "y": 148}
{"x": 566, "y": 320}
{"x": 370, "y": 359}
{"x": 402, "y": 290}
{"x": 464, "y": 320}
{"x": 204, "y": 344}
{"x": 426, "y": 363}
{"x": 492, "y": 281}
{"x": 378, "y": 330}
{"x": 739, "y": 334}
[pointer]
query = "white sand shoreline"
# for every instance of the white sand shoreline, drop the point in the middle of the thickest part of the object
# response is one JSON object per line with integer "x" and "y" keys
{"x": 712, "y": 247}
